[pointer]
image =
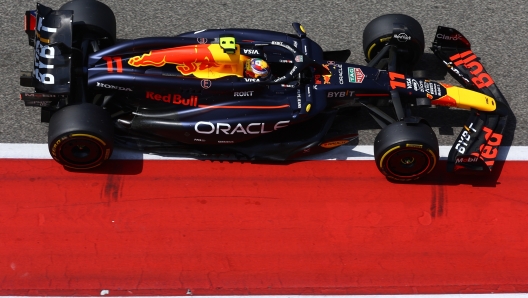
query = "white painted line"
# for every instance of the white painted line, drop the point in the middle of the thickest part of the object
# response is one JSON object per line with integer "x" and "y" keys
{"x": 367, "y": 153}
{"x": 24, "y": 151}
{"x": 40, "y": 151}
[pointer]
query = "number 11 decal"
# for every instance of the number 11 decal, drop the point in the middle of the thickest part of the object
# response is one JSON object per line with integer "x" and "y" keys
{"x": 110, "y": 65}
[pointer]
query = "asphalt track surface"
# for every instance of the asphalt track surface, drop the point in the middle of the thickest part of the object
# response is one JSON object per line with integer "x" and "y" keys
{"x": 496, "y": 29}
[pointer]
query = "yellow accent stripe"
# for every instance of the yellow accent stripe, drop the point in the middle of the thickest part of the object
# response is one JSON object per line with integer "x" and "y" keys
{"x": 384, "y": 155}
{"x": 382, "y": 40}
{"x": 44, "y": 40}
{"x": 89, "y": 136}
{"x": 432, "y": 154}
{"x": 434, "y": 160}
{"x": 370, "y": 50}
{"x": 469, "y": 99}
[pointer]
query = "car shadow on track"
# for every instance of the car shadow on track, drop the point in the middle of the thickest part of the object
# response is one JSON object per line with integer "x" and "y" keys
{"x": 115, "y": 167}
{"x": 439, "y": 176}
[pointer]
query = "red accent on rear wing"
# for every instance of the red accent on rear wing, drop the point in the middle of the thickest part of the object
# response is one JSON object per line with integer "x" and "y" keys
{"x": 30, "y": 23}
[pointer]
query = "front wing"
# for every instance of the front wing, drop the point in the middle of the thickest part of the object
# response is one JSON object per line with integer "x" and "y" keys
{"x": 477, "y": 145}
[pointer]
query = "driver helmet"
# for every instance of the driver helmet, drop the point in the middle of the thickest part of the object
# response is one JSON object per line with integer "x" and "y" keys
{"x": 257, "y": 68}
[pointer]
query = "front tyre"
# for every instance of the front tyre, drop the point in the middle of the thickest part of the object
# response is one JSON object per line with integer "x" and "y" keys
{"x": 379, "y": 32}
{"x": 80, "y": 136}
{"x": 406, "y": 151}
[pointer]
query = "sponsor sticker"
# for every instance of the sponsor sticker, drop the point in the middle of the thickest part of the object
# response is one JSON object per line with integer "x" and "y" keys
{"x": 251, "y": 51}
{"x": 108, "y": 86}
{"x": 206, "y": 84}
{"x": 337, "y": 94}
{"x": 355, "y": 75}
{"x": 449, "y": 37}
{"x": 340, "y": 73}
{"x": 299, "y": 99}
{"x": 204, "y": 127}
{"x": 465, "y": 138}
{"x": 334, "y": 144}
{"x": 402, "y": 37}
{"x": 243, "y": 93}
{"x": 176, "y": 99}
{"x": 467, "y": 159}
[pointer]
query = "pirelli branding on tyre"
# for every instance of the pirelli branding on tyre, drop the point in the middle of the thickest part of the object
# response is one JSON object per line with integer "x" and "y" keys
{"x": 80, "y": 151}
{"x": 407, "y": 162}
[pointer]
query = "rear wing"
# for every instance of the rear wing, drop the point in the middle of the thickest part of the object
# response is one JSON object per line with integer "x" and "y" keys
{"x": 50, "y": 33}
{"x": 478, "y": 143}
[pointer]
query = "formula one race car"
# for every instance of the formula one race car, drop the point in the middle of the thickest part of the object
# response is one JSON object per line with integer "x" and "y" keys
{"x": 254, "y": 94}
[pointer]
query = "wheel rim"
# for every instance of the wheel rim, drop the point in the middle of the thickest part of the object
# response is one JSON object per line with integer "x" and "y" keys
{"x": 408, "y": 163}
{"x": 82, "y": 152}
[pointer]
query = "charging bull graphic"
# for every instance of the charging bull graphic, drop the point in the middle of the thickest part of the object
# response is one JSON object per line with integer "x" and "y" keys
{"x": 205, "y": 61}
{"x": 326, "y": 77}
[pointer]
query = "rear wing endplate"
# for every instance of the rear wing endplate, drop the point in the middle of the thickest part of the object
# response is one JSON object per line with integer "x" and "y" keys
{"x": 52, "y": 35}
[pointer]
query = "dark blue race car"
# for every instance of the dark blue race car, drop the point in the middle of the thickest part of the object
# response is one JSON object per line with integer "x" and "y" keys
{"x": 254, "y": 94}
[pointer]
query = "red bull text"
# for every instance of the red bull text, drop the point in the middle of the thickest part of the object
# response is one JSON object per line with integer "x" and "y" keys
{"x": 176, "y": 99}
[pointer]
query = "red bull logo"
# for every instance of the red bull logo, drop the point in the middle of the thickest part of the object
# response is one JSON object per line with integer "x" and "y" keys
{"x": 205, "y": 61}
{"x": 176, "y": 99}
{"x": 326, "y": 78}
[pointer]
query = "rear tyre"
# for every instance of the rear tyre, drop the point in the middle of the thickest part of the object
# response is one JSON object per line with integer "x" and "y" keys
{"x": 91, "y": 16}
{"x": 80, "y": 136}
{"x": 406, "y": 151}
{"x": 379, "y": 32}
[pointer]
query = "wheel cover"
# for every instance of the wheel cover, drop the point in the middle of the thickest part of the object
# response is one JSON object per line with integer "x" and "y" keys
{"x": 82, "y": 151}
{"x": 408, "y": 162}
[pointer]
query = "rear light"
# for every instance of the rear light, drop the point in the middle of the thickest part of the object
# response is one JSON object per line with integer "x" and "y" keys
{"x": 30, "y": 22}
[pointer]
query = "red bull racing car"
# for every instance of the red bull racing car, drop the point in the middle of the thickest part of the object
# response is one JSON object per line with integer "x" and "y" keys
{"x": 193, "y": 94}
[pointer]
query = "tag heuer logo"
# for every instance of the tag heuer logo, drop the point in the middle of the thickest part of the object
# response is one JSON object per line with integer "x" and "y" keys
{"x": 355, "y": 75}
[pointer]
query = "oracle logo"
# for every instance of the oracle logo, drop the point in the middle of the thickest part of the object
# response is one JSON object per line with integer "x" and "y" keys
{"x": 205, "y": 127}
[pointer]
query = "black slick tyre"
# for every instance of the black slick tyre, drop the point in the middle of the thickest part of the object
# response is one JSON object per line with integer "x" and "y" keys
{"x": 406, "y": 151}
{"x": 95, "y": 17}
{"x": 379, "y": 32}
{"x": 80, "y": 136}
